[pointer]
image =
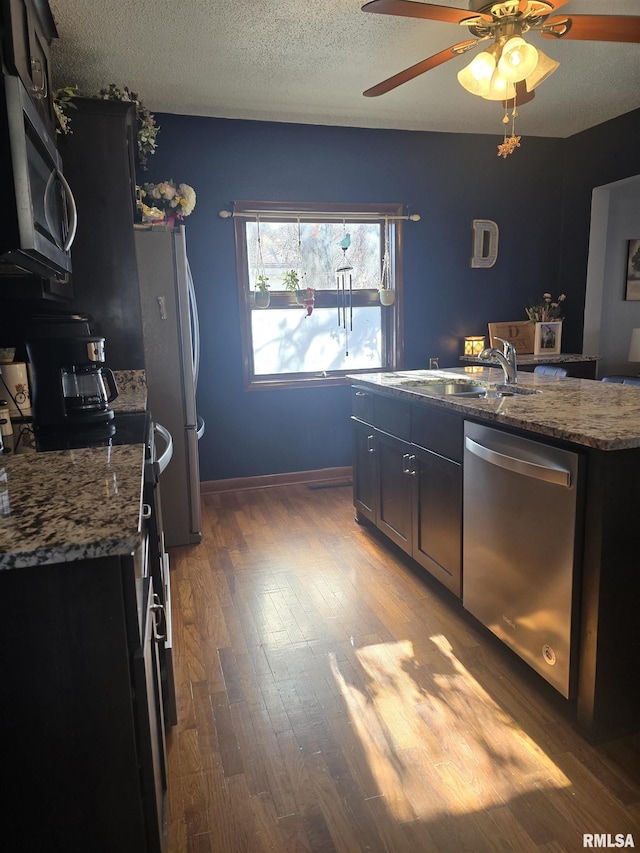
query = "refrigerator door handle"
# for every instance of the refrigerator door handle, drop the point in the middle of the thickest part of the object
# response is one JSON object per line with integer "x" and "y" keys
{"x": 167, "y": 454}
{"x": 195, "y": 326}
{"x": 556, "y": 476}
{"x": 199, "y": 427}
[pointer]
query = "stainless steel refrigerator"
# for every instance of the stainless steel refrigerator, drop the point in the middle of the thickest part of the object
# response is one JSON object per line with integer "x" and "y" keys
{"x": 171, "y": 354}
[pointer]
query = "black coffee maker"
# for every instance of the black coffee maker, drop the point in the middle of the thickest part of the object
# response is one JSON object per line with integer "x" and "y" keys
{"x": 71, "y": 387}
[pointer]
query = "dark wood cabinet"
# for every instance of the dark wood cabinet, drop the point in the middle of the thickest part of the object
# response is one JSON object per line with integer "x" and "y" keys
{"x": 99, "y": 165}
{"x": 395, "y": 489}
{"x": 83, "y": 760}
{"x": 27, "y": 30}
{"x": 437, "y": 517}
{"x": 407, "y": 479}
{"x": 365, "y": 471}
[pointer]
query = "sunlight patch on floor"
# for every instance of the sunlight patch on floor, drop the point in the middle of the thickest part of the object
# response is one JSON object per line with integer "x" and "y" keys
{"x": 433, "y": 736}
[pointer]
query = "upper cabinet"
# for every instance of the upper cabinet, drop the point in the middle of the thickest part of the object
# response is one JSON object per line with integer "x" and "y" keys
{"x": 105, "y": 269}
{"x": 27, "y": 30}
{"x": 38, "y": 217}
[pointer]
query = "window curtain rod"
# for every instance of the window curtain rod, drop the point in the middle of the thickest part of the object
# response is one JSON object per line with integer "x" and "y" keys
{"x": 315, "y": 215}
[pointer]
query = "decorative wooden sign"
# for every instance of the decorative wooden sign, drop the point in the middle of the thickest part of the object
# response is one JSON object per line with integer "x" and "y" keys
{"x": 519, "y": 332}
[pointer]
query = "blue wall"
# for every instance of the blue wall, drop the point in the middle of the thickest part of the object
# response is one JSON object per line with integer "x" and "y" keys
{"x": 449, "y": 179}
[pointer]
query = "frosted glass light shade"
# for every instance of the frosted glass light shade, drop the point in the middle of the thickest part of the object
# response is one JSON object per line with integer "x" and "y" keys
{"x": 544, "y": 69}
{"x": 518, "y": 60}
{"x": 634, "y": 346}
{"x": 476, "y": 76}
{"x": 499, "y": 88}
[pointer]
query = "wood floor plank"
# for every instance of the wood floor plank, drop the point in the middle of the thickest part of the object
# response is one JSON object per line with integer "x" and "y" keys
{"x": 332, "y": 697}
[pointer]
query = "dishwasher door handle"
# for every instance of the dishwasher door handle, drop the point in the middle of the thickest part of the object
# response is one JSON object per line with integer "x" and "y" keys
{"x": 556, "y": 476}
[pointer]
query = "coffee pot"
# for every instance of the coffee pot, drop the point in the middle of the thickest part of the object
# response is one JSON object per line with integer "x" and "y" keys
{"x": 71, "y": 385}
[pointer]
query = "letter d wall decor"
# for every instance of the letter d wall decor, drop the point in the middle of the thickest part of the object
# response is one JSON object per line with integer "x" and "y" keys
{"x": 485, "y": 243}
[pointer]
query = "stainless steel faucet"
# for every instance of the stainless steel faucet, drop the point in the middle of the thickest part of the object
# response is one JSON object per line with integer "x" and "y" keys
{"x": 506, "y": 359}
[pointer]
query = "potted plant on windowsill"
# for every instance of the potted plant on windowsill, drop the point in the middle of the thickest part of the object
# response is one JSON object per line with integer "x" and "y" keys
{"x": 262, "y": 295}
{"x": 291, "y": 281}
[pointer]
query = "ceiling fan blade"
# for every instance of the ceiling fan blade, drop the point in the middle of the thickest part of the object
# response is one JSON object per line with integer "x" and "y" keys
{"x": 419, "y": 68}
{"x": 428, "y": 11}
{"x": 623, "y": 28}
{"x": 558, "y": 4}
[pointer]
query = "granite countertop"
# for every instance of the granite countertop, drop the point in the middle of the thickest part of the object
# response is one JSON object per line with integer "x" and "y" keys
{"x": 66, "y": 505}
{"x": 595, "y": 414}
{"x": 70, "y": 505}
{"x": 558, "y": 358}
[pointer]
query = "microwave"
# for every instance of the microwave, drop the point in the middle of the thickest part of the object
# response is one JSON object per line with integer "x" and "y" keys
{"x": 38, "y": 215}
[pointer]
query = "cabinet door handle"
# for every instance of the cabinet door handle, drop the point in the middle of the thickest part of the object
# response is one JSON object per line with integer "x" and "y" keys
{"x": 407, "y": 464}
{"x": 370, "y": 445}
{"x": 158, "y": 610}
{"x": 146, "y": 511}
{"x": 39, "y": 91}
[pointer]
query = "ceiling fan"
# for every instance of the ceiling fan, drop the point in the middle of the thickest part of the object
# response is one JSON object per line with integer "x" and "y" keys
{"x": 509, "y": 69}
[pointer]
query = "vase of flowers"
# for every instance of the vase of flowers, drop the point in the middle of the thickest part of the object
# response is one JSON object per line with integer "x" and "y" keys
{"x": 547, "y": 315}
{"x": 165, "y": 202}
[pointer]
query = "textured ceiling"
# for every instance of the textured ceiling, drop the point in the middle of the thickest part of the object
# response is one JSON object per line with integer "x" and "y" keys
{"x": 310, "y": 60}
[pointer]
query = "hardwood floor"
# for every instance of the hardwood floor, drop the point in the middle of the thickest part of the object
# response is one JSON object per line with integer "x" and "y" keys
{"x": 331, "y": 697}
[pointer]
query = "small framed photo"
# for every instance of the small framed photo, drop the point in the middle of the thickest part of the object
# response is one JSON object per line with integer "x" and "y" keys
{"x": 548, "y": 338}
{"x": 633, "y": 271}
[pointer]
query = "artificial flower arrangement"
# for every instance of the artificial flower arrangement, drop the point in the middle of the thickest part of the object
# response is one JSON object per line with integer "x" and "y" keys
{"x": 62, "y": 102}
{"x": 146, "y": 123}
{"x": 159, "y": 201}
{"x": 547, "y": 310}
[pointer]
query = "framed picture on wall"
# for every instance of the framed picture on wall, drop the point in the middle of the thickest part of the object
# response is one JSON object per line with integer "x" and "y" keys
{"x": 633, "y": 270}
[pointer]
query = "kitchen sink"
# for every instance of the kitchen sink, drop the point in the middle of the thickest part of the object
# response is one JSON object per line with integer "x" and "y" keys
{"x": 466, "y": 389}
{"x": 516, "y": 391}
{"x": 460, "y": 389}
{"x": 443, "y": 387}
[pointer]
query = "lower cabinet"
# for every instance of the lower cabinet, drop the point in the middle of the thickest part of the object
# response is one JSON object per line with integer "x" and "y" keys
{"x": 411, "y": 492}
{"x": 83, "y": 757}
{"x": 437, "y": 517}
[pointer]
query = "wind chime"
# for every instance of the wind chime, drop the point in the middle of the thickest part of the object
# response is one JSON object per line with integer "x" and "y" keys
{"x": 344, "y": 285}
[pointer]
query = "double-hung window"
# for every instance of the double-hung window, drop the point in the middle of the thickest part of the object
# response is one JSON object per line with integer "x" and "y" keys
{"x": 309, "y": 278}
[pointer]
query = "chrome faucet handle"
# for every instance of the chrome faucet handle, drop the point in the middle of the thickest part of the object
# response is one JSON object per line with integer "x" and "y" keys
{"x": 511, "y": 358}
{"x": 507, "y": 346}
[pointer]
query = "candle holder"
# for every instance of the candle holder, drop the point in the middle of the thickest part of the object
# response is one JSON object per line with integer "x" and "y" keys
{"x": 473, "y": 344}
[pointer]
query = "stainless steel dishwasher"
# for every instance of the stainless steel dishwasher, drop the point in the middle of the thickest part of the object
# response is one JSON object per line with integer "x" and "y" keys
{"x": 520, "y": 509}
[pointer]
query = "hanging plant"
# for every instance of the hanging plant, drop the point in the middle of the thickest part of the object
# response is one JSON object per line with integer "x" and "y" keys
{"x": 261, "y": 296}
{"x": 386, "y": 290}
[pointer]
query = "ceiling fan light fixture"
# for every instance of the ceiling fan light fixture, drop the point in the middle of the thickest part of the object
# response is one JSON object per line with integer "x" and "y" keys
{"x": 543, "y": 70}
{"x": 476, "y": 76}
{"x": 499, "y": 88}
{"x": 518, "y": 60}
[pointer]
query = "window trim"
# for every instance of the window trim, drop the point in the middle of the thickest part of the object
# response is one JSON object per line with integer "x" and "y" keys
{"x": 392, "y": 326}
